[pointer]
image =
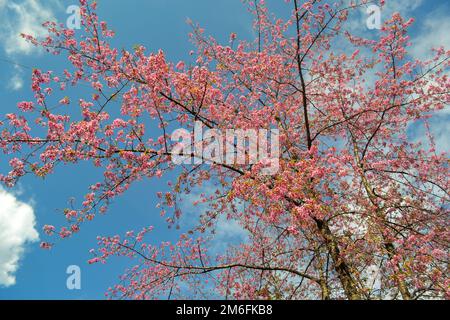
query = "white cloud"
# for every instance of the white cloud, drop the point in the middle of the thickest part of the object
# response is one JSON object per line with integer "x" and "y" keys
{"x": 24, "y": 16}
{"x": 17, "y": 228}
{"x": 441, "y": 134}
{"x": 433, "y": 34}
{"x": 16, "y": 81}
{"x": 432, "y": 27}
{"x": 439, "y": 129}
{"x": 402, "y": 6}
{"x": 227, "y": 231}
{"x": 357, "y": 22}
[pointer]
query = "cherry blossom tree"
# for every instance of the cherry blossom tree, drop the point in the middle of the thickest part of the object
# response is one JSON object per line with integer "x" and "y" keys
{"x": 357, "y": 210}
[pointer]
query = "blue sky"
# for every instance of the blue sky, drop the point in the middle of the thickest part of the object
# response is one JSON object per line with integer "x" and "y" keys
{"x": 156, "y": 24}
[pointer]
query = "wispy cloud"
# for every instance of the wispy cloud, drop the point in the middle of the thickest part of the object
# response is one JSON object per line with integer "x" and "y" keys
{"x": 17, "y": 228}
{"x": 22, "y": 16}
{"x": 430, "y": 31}
{"x": 357, "y": 20}
{"x": 16, "y": 81}
{"x": 227, "y": 231}
{"x": 433, "y": 33}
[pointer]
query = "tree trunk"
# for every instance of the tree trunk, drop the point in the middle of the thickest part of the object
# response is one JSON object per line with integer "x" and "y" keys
{"x": 341, "y": 268}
